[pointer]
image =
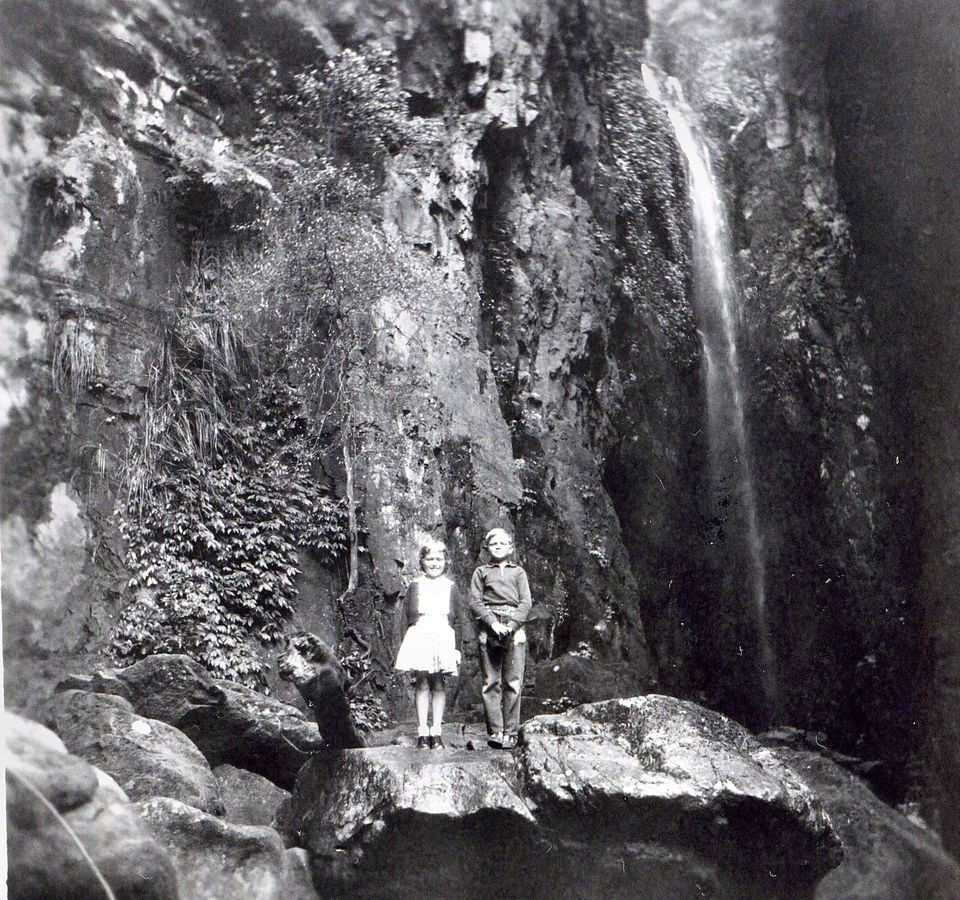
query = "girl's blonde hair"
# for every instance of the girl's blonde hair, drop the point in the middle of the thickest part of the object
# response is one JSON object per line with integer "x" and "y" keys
{"x": 435, "y": 545}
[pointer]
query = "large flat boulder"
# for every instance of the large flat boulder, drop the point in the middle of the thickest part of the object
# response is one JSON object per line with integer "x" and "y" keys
{"x": 885, "y": 855}
{"x": 664, "y": 769}
{"x": 229, "y": 722}
{"x": 147, "y": 757}
{"x": 649, "y": 796}
{"x": 214, "y": 859}
{"x": 372, "y": 819}
{"x": 43, "y": 858}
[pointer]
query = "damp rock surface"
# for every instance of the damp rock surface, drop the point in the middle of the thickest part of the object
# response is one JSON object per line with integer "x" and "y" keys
{"x": 230, "y": 723}
{"x": 649, "y": 795}
{"x": 147, "y": 757}
{"x": 43, "y": 859}
{"x": 214, "y": 858}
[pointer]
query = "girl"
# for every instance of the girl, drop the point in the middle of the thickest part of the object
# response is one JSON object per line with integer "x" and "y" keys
{"x": 429, "y": 648}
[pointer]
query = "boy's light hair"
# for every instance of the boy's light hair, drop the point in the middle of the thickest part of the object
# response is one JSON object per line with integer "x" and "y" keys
{"x": 497, "y": 532}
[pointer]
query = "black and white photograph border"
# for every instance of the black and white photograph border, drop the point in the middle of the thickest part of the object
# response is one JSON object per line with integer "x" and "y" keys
{"x": 455, "y": 448}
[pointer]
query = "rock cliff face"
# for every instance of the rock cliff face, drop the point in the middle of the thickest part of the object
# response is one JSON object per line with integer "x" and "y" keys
{"x": 126, "y": 137}
{"x": 557, "y": 368}
{"x": 892, "y": 71}
{"x": 823, "y": 460}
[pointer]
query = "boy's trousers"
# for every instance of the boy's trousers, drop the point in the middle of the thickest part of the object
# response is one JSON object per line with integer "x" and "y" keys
{"x": 502, "y": 668}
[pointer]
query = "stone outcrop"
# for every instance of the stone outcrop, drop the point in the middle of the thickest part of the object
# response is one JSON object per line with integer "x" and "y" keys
{"x": 892, "y": 73}
{"x": 214, "y": 858}
{"x": 822, "y": 460}
{"x": 669, "y": 770}
{"x": 42, "y": 857}
{"x": 671, "y": 791}
{"x": 147, "y": 757}
{"x": 297, "y": 877}
{"x": 229, "y": 723}
{"x": 131, "y": 148}
{"x": 248, "y": 798}
{"x": 885, "y": 855}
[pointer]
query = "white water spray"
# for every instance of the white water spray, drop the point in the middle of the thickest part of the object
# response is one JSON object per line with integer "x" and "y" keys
{"x": 717, "y": 306}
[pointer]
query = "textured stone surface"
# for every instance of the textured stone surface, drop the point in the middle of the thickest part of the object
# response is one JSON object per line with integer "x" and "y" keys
{"x": 639, "y": 795}
{"x": 297, "y": 879}
{"x": 893, "y": 71}
{"x": 338, "y": 799}
{"x": 147, "y": 757}
{"x": 885, "y": 855}
{"x": 111, "y": 136}
{"x": 43, "y": 861}
{"x": 213, "y": 858}
{"x": 230, "y": 723}
{"x": 671, "y": 770}
{"x": 248, "y": 798}
{"x": 821, "y": 447}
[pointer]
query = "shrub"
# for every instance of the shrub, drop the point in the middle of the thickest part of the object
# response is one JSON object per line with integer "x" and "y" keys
{"x": 273, "y": 364}
{"x": 221, "y": 493}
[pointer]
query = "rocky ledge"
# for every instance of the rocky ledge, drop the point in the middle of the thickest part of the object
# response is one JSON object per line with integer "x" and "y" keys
{"x": 648, "y": 796}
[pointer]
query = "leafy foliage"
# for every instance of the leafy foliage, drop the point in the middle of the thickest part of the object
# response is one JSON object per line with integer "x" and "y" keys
{"x": 221, "y": 495}
{"x": 355, "y": 105}
{"x": 367, "y": 710}
{"x": 269, "y": 368}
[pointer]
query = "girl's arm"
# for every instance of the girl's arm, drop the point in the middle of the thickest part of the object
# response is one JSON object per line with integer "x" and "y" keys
{"x": 454, "y": 615}
{"x": 412, "y": 604}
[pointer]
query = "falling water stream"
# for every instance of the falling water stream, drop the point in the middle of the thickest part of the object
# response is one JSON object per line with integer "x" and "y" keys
{"x": 717, "y": 306}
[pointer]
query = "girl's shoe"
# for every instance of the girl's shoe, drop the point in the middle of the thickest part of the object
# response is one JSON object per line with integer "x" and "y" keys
{"x": 436, "y": 742}
{"x": 509, "y": 742}
{"x": 495, "y": 741}
{"x": 423, "y": 743}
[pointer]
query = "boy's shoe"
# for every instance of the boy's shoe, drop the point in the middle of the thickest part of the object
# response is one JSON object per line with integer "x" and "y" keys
{"x": 423, "y": 743}
{"x": 436, "y": 742}
{"x": 509, "y": 742}
{"x": 495, "y": 741}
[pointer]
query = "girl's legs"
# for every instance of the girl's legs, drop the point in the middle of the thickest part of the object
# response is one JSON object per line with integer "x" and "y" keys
{"x": 422, "y": 699}
{"x": 438, "y": 701}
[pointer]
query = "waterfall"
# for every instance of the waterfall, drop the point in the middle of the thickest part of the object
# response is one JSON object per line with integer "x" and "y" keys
{"x": 717, "y": 304}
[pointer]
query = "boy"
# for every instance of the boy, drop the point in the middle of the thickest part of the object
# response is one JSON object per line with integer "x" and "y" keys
{"x": 500, "y": 600}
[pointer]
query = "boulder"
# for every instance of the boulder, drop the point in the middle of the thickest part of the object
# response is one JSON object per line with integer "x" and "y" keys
{"x": 147, "y": 757}
{"x": 103, "y": 682}
{"x": 649, "y": 796}
{"x": 229, "y": 722}
{"x": 216, "y": 859}
{"x": 43, "y": 858}
{"x": 255, "y": 732}
{"x": 166, "y": 686}
{"x": 885, "y": 855}
{"x": 297, "y": 879}
{"x": 248, "y": 798}
{"x": 658, "y": 768}
{"x": 406, "y": 806}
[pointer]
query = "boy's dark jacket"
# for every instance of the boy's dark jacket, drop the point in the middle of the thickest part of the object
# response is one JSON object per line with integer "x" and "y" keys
{"x": 500, "y": 591}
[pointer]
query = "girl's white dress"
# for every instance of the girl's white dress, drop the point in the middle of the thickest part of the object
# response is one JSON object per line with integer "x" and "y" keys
{"x": 430, "y": 644}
